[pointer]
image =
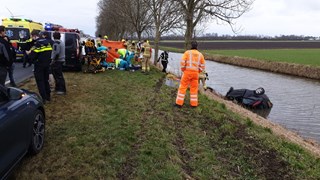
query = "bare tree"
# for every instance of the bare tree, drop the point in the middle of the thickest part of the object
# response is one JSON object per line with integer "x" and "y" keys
{"x": 195, "y": 11}
{"x": 138, "y": 16}
{"x": 165, "y": 17}
{"x": 123, "y": 17}
{"x": 108, "y": 21}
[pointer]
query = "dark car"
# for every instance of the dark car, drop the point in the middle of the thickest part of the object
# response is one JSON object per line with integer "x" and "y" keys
{"x": 22, "y": 126}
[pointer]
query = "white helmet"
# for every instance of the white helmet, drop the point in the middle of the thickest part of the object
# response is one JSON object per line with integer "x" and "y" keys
{"x": 259, "y": 91}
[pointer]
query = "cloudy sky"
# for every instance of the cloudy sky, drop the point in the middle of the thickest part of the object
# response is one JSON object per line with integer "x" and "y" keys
{"x": 266, "y": 17}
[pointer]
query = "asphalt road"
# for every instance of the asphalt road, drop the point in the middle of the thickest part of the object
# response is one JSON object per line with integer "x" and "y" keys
{"x": 20, "y": 74}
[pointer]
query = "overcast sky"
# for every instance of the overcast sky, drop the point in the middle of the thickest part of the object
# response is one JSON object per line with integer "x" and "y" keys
{"x": 266, "y": 17}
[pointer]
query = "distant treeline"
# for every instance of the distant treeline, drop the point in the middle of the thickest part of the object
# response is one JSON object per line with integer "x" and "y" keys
{"x": 214, "y": 36}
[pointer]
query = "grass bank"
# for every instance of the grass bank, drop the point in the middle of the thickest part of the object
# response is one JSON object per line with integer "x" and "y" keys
{"x": 122, "y": 125}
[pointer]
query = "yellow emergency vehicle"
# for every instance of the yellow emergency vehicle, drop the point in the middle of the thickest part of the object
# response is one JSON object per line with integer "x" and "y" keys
{"x": 20, "y": 29}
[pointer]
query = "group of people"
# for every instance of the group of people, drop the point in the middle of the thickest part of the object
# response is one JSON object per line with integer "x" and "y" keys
{"x": 140, "y": 53}
{"x": 48, "y": 57}
{"x": 46, "y": 54}
{"x": 129, "y": 56}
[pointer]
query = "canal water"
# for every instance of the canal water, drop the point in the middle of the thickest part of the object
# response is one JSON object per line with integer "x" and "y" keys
{"x": 296, "y": 101}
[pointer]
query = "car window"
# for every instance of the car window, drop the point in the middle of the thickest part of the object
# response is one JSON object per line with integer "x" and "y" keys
{"x": 71, "y": 41}
{"x": 17, "y": 33}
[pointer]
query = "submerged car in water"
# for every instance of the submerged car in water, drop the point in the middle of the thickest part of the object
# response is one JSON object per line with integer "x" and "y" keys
{"x": 22, "y": 126}
{"x": 254, "y": 100}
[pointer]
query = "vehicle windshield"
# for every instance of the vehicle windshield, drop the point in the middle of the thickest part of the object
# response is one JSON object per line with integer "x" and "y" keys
{"x": 17, "y": 33}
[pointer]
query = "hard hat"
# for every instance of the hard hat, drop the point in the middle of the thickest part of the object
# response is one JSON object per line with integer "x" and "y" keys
{"x": 106, "y": 37}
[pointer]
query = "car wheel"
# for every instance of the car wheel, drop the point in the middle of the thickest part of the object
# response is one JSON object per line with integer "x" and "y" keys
{"x": 38, "y": 132}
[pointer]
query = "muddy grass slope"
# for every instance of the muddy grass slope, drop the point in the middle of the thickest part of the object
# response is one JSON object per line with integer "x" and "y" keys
{"x": 122, "y": 125}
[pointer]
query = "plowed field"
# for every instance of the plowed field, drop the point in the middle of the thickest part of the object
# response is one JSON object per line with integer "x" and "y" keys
{"x": 248, "y": 44}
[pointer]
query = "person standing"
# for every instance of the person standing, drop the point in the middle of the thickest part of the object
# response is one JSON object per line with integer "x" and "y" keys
{"x": 58, "y": 58}
{"x": 146, "y": 56}
{"x": 164, "y": 60}
{"x": 4, "y": 56}
{"x": 40, "y": 54}
{"x": 24, "y": 46}
{"x": 99, "y": 39}
{"x": 12, "y": 57}
{"x": 191, "y": 64}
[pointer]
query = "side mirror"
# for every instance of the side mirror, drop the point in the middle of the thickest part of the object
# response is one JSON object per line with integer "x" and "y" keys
{"x": 15, "y": 93}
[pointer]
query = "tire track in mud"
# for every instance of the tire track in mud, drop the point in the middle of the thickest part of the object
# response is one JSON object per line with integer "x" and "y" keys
{"x": 265, "y": 161}
{"x": 179, "y": 141}
{"x": 127, "y": 168}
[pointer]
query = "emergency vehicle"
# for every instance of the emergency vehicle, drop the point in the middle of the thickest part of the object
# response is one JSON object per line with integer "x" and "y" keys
{"x": 20, "y": 29}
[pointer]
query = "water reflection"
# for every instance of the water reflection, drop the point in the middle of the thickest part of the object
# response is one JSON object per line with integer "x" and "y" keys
{"x": 296, "y": 100}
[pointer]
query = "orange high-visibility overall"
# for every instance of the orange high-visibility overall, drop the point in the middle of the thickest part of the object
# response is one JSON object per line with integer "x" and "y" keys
{"x": 192, "y": 63}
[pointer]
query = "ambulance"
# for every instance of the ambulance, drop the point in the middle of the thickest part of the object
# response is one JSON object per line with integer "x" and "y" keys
{"x": 20, "y": 29}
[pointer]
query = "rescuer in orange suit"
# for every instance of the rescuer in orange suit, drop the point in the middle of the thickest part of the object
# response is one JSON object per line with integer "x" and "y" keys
{"x": 192, "y": 63}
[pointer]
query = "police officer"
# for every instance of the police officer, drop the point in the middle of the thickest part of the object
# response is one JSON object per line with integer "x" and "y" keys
{"x": 164, "y": 60}
{"x": 41, "y": 57}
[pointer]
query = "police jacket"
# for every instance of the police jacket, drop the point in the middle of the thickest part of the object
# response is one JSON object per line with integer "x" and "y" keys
{"x": 4, "y": 52}
{"x": 24, "y": 45}
{"x": 164, "y": 56}
{"x": 41, "y": 52}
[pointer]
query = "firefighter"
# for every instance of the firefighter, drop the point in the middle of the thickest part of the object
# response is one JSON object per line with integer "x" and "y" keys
{"x": 191, "y": 64}
{"x": 146, "y": 49}
{"x": 40, "y": 54}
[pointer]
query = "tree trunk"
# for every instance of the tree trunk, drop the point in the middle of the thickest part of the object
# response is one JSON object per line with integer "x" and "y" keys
{"x": 156, "y": 45}
{"x": 189, "y": 32}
